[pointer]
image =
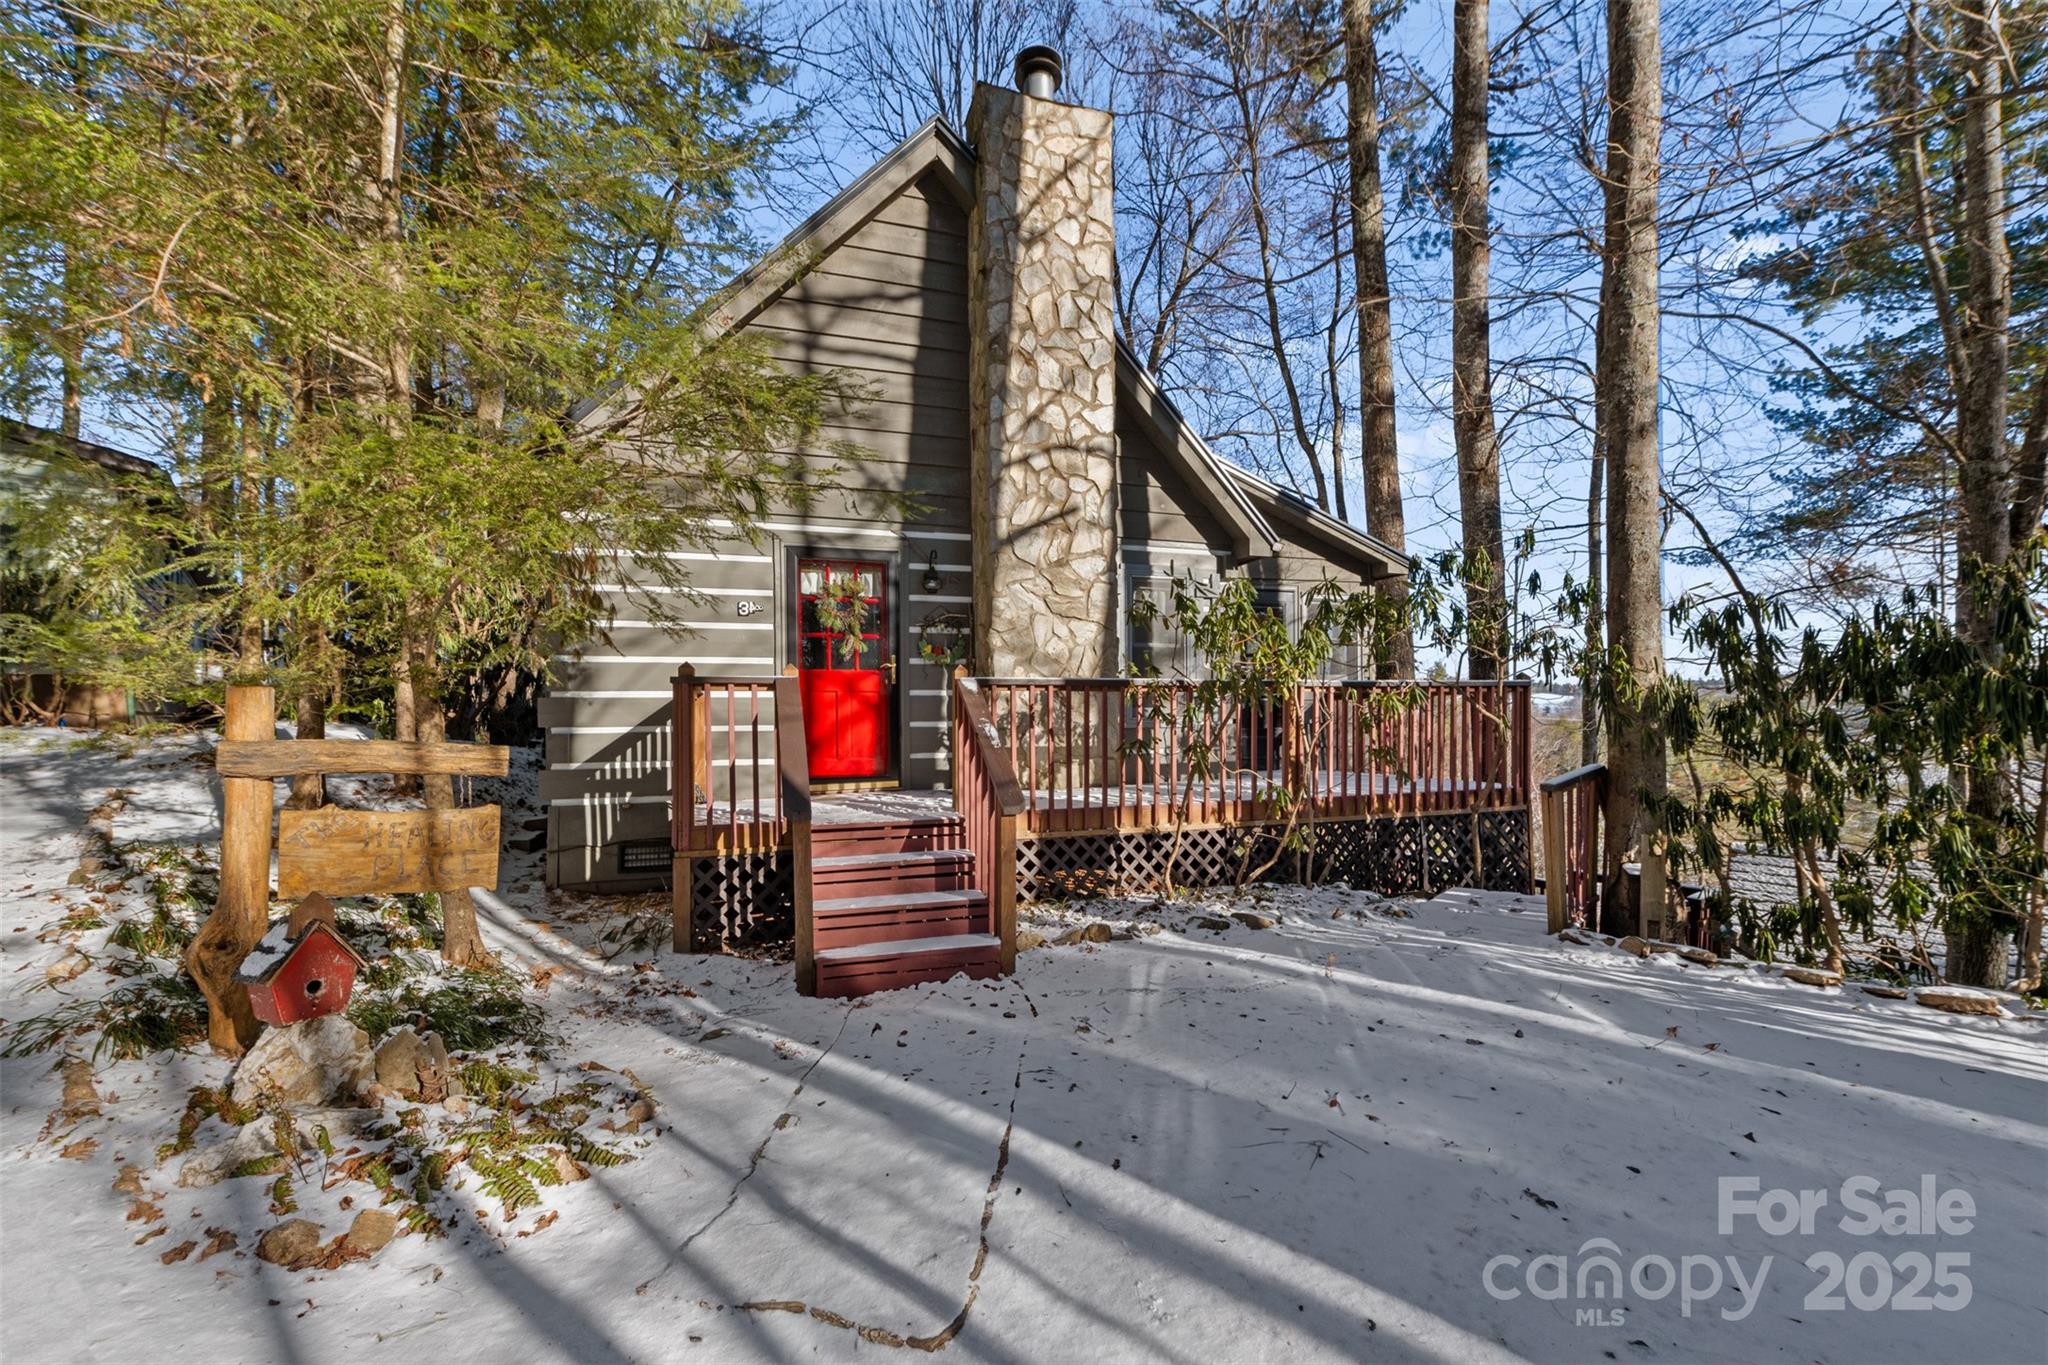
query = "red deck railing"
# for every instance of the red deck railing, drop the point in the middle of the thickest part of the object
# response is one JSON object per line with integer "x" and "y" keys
{"x": 1107, "y": 754}
{"x": 741, "y": 773}
{"x": 740, "y": 783}
{"x": 1571, "y": 845}
{"x": 991, "y": 804}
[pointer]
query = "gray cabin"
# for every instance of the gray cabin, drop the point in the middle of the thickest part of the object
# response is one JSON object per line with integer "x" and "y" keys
{"x": 969, "y": 283}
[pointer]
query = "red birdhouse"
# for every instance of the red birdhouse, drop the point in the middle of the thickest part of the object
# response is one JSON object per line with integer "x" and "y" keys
{"x": 303, "y": 968}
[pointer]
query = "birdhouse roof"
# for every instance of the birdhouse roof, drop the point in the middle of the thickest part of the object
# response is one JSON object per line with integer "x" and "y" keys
{"x": 278, "y": 946}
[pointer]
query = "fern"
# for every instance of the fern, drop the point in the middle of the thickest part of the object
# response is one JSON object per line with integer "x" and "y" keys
{"x": 281, "y": 1200}
{"x": 489, "y": 1082}
{"x": 200, "y": 1105}
{"x": 417, "y": 1218}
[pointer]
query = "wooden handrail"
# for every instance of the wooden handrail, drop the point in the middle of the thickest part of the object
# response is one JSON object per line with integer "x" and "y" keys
{"x": 1584, "y": 773}
{"x": 991, "y": 805}
{"x": 792, "y": 759}
{"x": 1571, "y": 845}
{"x": 1002, "y": 776}
{"x": 793, "y": 768}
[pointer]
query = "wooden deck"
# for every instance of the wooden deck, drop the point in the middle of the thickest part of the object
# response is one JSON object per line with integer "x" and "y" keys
{"x": 1081, "y": 787}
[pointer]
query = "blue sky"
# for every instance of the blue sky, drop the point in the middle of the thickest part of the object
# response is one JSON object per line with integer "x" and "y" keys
{"x": 1544, "y": 457}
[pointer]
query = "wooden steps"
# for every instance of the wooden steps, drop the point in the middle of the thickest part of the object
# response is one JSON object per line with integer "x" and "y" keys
{"x": 894, "y": 903}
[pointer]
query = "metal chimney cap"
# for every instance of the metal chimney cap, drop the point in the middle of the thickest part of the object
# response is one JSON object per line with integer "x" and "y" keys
{"x": 1039, "y": 70}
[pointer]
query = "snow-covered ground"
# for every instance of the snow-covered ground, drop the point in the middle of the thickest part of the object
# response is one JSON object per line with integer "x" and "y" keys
{"x": 1355, "y": 1134}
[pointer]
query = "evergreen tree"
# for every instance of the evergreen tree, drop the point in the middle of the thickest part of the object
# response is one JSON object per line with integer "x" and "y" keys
{"x": 374, "y": 257}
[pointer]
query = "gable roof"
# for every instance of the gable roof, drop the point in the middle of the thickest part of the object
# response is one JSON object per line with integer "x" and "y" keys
{"x": 934, "y": 147}
{"x": 1241, "y": 501}
{"x": 1298, "y": 513}
{"x": 42, "y": 443}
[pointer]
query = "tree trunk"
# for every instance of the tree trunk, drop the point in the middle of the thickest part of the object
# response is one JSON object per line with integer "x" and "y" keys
{"x": 1471, "y": 345}
{"x": 1626, "y": 394}
{"x": 1977, "y": 945}
{"x": 1589, "y": 676}
{"x": 408, "y": 680}
{"x": 249, "y": 660}
{"x": 1380, "y": 461}
{"x": 309, "y": 790}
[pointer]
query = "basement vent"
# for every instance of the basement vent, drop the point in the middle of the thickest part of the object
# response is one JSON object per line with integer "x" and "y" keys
{"x": 644, "y": 855}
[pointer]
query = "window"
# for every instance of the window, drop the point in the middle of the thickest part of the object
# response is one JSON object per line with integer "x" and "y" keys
{"x": 1157, "y": 647}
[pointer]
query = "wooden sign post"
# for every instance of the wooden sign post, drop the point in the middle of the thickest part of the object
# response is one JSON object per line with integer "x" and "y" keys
{"x": 329, "y": 851}
{"x": 242, "y": 913}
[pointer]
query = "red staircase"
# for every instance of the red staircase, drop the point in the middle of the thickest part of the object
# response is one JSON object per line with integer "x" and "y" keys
{"x": 894, "y": 903}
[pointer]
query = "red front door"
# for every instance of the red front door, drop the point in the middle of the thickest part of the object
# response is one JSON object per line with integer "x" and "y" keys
{"x": 844, "y": 665}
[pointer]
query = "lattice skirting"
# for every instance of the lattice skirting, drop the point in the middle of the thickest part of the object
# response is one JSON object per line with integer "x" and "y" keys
{"x": 1415, "y": 856}
{"x": 741, "y": 898}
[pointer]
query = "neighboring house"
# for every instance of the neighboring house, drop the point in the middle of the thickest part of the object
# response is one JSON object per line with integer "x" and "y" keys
{"x": 1767, "y": 881}
{"x": 35, "y": 461}
{"x": 37, "y": 464}
{"x": 970, "y": 283}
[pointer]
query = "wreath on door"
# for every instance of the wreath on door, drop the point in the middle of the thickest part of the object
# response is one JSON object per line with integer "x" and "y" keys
{"x": 942, "y": 639}
{"x": 842, "y": 608}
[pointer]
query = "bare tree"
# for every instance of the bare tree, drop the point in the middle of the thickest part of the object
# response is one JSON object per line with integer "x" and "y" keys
{"x": 1471, "y": 350}
{"x": 1379, "y": 455}
{"x": 1230, "y": 270}
{"x": 1977, "y": 945}
{"x": 892, "y": 65}
{"x": 1626, "y": 389}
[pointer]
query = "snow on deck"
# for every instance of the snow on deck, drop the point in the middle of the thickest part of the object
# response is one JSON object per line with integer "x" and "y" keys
{"x": 830, "y": 808}
{"x": 1307, "y": 1142}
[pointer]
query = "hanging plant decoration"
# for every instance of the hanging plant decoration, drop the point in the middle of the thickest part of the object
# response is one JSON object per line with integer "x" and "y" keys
{"x": 842, "y": 608}
{"x": 943, "y": 639}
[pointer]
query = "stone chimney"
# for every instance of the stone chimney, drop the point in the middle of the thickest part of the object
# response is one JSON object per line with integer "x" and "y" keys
{"x": 1042, "y": 375}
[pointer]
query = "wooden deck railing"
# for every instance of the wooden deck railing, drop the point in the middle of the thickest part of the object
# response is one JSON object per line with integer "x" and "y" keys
{"x": 740, "y": 782}
{"x": 991, "y": 805}
{"x": 734, "y": 758}
{"x": 1571, "y": 845}
{"x": 1108, "y": 754}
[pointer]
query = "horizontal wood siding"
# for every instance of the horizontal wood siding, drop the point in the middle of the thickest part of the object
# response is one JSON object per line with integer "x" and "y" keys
{"x": 889, "y": 306}
{"x": 1157, "y": 503}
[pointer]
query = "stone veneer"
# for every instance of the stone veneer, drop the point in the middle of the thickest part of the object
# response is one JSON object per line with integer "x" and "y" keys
{"x": 1042, "y": 376}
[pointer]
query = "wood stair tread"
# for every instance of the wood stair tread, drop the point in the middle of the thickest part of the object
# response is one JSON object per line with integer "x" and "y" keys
{"x": 825, "y": 828}
{"x": 899, "y": 900}
{"x": 945, "y": 943}
{"x": 912, "y": 858}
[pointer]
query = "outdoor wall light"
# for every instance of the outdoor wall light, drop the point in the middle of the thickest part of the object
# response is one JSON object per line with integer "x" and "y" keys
{"x": 932, "y": 581}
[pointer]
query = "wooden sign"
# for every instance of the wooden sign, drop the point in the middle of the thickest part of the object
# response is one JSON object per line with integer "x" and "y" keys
{"x": 355, "y": 852}
{"x": 291, "y": 757}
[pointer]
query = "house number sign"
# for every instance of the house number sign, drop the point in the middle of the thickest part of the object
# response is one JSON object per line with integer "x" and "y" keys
{"x": 748, "y": 607}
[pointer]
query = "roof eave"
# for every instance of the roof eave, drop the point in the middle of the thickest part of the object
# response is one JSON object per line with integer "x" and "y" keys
{"x": 1394, "y": 563}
